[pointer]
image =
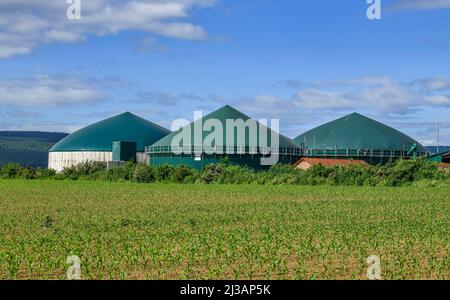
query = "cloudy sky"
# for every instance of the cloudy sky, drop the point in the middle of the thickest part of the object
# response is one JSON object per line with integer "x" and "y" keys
{"x": 304, "y": 62}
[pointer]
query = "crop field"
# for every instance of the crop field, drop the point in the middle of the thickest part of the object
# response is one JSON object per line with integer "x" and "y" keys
{"x": 169, "y": 231}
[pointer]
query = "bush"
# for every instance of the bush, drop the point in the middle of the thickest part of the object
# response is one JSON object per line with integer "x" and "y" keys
{"x": 180, "y": 173}
{"x": 236, "y": 174}
{"x": 28, "y": 173}
{"x": 116, "y": 174}
{"x": 89, "y": 168}
{"x": 129, "y": 169}
{"x": 144, "y": 173}
{"x": 211, "y": 173}
{"x": 194, "y": 178}
{"x": 163, "y": 172}
{"x": 85, "y": 170}
{"x": 11, "y": 170}
{"x": 123, "y": 173}
{"x": 45, "y": 173}
{"x": 401, "y": 173}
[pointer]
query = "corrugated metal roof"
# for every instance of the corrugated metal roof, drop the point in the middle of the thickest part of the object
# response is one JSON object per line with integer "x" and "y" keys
{"x": 125, "y": 127}
{"x": 356, "y": 131}
{"x": 226, "y": 113}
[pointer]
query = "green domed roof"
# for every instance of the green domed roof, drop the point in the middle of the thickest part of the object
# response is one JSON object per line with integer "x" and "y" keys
{"x": 356, "y": 131}
{"x": 225, "y": 113}
{"x": 99, "y": 136}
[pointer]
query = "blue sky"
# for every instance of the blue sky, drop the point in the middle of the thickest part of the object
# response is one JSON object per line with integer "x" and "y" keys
{"x": 304, "y": 62}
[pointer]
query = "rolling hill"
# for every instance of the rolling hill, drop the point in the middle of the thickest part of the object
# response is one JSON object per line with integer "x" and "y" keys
{"x": 433, "y": 149}
{"x": 28, "y": 148}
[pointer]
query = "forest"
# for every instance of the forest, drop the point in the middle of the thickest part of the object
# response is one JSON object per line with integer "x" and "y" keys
{"x": 27, "y": 148}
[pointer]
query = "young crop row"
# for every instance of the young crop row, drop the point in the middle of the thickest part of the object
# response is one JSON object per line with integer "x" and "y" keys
{"x": 160, "y": 231}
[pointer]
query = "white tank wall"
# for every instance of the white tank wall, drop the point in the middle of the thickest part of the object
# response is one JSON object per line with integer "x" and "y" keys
{"x": 60, "y": 160}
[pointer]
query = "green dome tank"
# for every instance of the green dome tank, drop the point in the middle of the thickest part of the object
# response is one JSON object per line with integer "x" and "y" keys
{"x": 357, "y": 136}
{"x": 99, "y": 136}
{"x": 161, "y": 151}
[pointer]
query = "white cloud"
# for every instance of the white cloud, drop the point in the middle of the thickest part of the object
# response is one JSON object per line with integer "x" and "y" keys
{"x": 264, "y": 103}
{"x": 48, "y": 91}
{"x": 318, "y": 99}
{"x": 159, "y": 98}
{"x": 403, "y": 105}
{"x": 62, "y": 36}
{"x": 24, "y": 24}
{"x": 419, "y": 5}
{"x": 381, "y": 94}
{"x": 435, "y": 83}
{"x": 438, "y": 100}
{"x": 7, "y": 51}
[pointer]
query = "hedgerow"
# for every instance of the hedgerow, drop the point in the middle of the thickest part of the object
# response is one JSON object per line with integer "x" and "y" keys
{"x": 401, "y": 173}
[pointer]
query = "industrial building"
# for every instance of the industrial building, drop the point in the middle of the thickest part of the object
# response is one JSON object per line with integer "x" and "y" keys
{"x": 350, "y": 139}
{"x": 123, "y": 136}
{"x": 358, "y": 137}
{"x": 243, "y": 152}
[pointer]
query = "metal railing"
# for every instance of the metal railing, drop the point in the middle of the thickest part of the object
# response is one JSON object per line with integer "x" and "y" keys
{"x": 379, "y": 153}
{"x": 338, "y": 153}
{"x": 240, "y": 149}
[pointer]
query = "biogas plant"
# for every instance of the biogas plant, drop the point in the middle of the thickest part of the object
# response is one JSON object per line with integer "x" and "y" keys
{"x": 230, "y": 133}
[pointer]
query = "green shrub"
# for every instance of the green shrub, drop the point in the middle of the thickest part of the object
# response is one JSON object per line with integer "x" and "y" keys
{"x": 117, "y": 174}
{"x": 11, "y": 170}
{"x": 129, "y": 169}
{"x": 45, "y": 173}
{"x": 28, "y": 173}
{"x": 163, "y": 172}
{"x": 144, "y": 173}
{"x": 211, "y": 173}
{"x": 85, "y": 170}
{"x": 194, "y": 178}
{"x": 400, "y": 173}
{"x": 89, "y": 168}
{"x": 180, "y": 173}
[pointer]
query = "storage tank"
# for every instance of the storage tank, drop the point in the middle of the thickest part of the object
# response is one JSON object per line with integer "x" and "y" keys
{"x": 240, "y": 152}
{"x": 95, "y": 142}
{"x": 358, "y": 137}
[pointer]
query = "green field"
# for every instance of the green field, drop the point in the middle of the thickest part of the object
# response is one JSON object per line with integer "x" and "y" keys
{"x": 169, "y": 231}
